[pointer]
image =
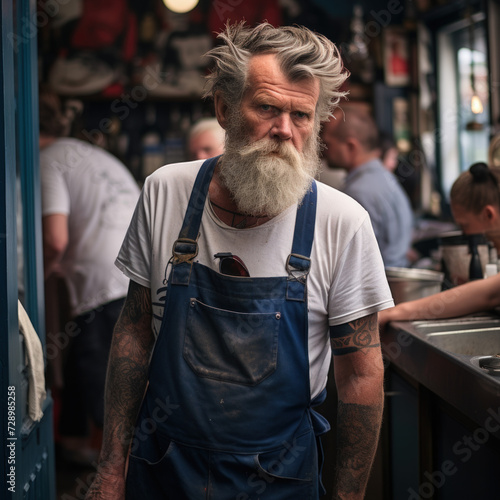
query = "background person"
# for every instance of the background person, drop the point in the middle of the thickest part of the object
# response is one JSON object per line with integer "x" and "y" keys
{"x": 352, "y": 143}
{"x": 475, "y": 204}
{"x": 474, "y": 296}
{"x": 87, "y": 203}
{"x": 388, "y": 152}
{"x": 475, "y": 201}
{"x": 239, "y": 363}
{"x": 206, "y": 139}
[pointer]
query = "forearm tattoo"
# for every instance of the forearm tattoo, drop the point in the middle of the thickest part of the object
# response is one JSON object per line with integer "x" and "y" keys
{"x": 126, "y": 379}
{"x": 354, "y": 336}
{"x": 357, "y": 438}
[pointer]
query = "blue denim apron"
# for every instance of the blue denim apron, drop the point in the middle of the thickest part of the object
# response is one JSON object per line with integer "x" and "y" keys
{"x": 227, "y": 413}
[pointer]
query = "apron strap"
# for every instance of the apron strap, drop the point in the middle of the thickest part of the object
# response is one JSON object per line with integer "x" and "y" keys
{"x": 185, "y": 248}
{"x": 298, "y": 263}
{"x": 194, "y": 212}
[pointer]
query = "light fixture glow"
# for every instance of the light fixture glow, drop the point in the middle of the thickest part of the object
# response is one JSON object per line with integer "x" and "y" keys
{"x": 476, "y": 105}
{"x": 180, "y": 6}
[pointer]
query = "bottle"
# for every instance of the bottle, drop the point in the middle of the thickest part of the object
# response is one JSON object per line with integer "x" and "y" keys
{"x": 475, "y": 267}
{"x": 153, "y": 153}
{"x": 491, "y": 270}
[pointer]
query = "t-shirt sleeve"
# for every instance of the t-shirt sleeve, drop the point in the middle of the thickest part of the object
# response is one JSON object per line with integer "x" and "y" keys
{"x": 359, "y": 285}
{"x": 55, "y": 195}
{"x": 373, "y": 205}
{"x": 134, "y": 257}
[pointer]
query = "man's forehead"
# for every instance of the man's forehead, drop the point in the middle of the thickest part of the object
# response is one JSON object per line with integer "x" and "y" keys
{"x": 264, "y": 71}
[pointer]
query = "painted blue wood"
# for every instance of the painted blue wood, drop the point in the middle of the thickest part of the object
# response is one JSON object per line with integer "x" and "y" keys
{"x": 37, "y": 475}
{"x": 9, "y": 343}
{"x": 8, "y": 233}
{"x": 29, "y": 168}
{"x": 33, "y": 445}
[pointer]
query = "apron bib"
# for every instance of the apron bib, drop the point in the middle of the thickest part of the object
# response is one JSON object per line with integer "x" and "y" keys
{"x": 227, "y": 412}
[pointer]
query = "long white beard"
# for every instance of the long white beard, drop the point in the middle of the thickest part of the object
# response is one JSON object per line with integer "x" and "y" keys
{"x": 267, "y": 176}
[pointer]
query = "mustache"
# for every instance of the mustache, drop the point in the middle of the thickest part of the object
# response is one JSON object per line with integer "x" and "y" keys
{"x": 270, "y": 147}
{"x": 264, "y": 145}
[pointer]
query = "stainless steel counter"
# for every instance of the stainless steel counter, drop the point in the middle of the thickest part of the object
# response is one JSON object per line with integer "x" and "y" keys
{"x": 443, "y": 356}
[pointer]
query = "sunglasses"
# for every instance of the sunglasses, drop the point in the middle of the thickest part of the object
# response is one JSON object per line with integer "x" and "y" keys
{"x": 231, "y": 265}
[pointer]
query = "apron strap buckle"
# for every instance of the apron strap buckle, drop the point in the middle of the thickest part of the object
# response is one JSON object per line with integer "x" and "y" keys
{"x": 184, "y": 250}
{"x": 297, "y": 267}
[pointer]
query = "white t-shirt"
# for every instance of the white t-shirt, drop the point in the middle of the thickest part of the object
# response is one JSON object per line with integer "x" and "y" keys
{"x": 346, "y": 281}
{"x": 98, "y": 194}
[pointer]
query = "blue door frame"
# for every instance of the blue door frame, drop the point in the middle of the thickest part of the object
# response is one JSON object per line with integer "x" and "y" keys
{"x": 27, "y": 460}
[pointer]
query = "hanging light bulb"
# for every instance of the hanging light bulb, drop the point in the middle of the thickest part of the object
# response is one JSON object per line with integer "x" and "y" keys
{"x": 476, "y": 105}
{"x": 180, "y": 6}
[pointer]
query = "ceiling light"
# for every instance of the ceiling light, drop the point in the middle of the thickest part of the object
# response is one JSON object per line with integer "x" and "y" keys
{"x": 476, "y": 105}
{"x": 180, "y": 6}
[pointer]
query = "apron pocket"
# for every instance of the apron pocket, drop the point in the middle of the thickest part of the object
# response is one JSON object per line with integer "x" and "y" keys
{"x": 151, "y": 451}
{"x": 296, "y": 460}
{"x": 180, "y": 474}
{"x": 231, "y": 346}
{"x": 284, "y": 473}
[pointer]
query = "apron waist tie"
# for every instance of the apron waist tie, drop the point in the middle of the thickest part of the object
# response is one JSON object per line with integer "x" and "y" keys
{"x": 320, "y": 426}
{"x": 319, "y": 422}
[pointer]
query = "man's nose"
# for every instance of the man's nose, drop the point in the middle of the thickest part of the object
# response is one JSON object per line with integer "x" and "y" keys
{"x": 282, "y": 127}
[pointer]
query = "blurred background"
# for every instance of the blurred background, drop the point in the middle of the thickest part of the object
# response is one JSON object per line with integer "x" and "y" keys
{"x": 130, "y": 75}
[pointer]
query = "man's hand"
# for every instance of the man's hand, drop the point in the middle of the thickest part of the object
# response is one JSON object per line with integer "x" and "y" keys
{"x": 126, "y": 382}
{"x": 106, "y": 486}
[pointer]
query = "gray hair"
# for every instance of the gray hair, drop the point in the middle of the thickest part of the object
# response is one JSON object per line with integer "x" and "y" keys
{"x": 208, "y": 125}
{"x": 301, "y": 53}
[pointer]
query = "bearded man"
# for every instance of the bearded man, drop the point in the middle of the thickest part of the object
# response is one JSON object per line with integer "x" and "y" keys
{"x": 245, "y": 275}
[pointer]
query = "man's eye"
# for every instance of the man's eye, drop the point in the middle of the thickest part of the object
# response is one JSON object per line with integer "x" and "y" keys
{"x": 301, "y": 115}
{"x": 265, "y": 107}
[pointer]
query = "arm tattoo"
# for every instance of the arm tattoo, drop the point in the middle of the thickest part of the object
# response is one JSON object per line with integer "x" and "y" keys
{"x": 354, "y": 336}
{"x": 357, "y": 437}
{"x": 137, "y": 305}
{"x": 126, "y": 379}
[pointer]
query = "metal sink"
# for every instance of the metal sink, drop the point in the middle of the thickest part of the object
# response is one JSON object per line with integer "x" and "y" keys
{"x": 468, "y": 336}
{"x": 446, "y": 356}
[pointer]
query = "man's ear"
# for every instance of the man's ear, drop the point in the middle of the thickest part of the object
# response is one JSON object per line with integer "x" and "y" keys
{"x": 220, "y": 110}
{"x": 352, "y": 144}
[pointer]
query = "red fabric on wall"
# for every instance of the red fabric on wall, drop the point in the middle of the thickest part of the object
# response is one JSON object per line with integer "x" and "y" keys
{"x": 222, "y": 11}
{"x": 102, "y": 23}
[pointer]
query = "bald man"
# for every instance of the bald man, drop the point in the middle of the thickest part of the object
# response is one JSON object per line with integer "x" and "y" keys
{"x": 352, "y": 143}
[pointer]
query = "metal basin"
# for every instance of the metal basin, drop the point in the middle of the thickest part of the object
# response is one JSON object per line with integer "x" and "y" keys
{"x": 470, "y": 337}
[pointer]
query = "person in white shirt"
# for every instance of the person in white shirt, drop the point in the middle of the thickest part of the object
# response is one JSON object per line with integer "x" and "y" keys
{"x": 88, "y": 197}
{"x": 245, "y": 275}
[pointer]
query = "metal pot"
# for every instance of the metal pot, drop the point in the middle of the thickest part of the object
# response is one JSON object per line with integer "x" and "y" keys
{"x": 409, "y": 284}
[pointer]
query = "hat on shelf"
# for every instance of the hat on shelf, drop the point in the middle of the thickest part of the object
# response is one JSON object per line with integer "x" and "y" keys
{"x": 181, "y": 69}
{"x": 81, "y": 74}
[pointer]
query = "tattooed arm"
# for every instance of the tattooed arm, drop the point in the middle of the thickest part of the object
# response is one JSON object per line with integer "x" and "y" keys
{"x": 359, "y": 375}
{"x": 126, "y": 380}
